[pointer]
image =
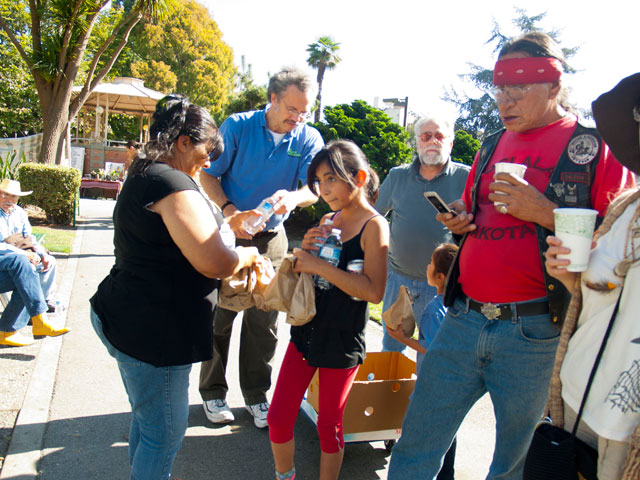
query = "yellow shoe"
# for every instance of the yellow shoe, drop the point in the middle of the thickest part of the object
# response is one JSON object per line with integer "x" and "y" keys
{"x": 41, "y": 326}
{"x": 15, "y": 339}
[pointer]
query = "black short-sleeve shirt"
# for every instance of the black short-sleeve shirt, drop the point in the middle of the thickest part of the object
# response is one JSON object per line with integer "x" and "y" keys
{"x": 154, "y": 306}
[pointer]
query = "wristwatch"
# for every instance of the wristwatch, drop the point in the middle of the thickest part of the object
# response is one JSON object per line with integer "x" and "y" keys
{"x": 225, "y": 205}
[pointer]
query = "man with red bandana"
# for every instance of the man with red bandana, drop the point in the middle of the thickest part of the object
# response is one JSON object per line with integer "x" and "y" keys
{"x": 502, "y": 326}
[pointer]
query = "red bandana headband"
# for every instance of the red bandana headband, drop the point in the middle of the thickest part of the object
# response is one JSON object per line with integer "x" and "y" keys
{"x": 520, "y": 71}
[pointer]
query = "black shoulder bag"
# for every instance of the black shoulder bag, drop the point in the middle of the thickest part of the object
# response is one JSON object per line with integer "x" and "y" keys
{"x": 554, "y": 453}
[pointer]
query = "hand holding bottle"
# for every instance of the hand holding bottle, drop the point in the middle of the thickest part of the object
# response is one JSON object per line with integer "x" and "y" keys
{"x": 261, "y": 215}
{"x": 316, "y": 236}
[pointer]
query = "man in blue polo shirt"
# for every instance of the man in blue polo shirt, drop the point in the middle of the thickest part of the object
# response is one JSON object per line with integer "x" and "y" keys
{"x": 266, "y": 154}
{"x": 415, "y": 232}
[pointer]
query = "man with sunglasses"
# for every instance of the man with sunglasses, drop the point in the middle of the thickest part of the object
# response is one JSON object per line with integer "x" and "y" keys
{"x": 266, "y": 154}
{"x": 415, "y": 232}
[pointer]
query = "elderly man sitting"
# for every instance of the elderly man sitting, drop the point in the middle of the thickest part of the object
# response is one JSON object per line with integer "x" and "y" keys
{"x": 25, "y": 269}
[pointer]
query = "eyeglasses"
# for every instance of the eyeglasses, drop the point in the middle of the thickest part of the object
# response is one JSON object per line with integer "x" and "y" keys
{"x": 295, "y": 113}
{"x": 513, "y": 92}
{"x": 426, "y": 136}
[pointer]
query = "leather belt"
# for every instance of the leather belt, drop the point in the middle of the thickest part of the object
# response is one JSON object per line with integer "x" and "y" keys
{"x": 265, "y": 233}
{"x": 506, "y": 311}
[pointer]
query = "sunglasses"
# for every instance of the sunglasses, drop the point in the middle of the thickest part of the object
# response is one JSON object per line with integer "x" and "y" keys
{"x": 426, "y": 136}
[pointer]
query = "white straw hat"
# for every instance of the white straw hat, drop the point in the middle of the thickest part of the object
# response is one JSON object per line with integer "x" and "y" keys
{"x": 12, "y": 187}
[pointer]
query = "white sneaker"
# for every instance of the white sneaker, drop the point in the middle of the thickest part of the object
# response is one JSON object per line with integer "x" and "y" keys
{"x": 217, "y": 411}
{"x": 259, "y": 413}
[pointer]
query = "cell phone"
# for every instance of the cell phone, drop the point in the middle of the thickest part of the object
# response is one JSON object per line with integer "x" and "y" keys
{"x": 437, "y": 202}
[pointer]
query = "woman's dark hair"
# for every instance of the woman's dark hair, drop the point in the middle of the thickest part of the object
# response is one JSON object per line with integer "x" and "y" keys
{"x": 176, "y": 116}
{"x": 133, "y": 144}
{"x": 443, "y": 256}
{"x": 371, "y": 188}
{"x": 345, "y": 159}
{"x": 539, "y": 44}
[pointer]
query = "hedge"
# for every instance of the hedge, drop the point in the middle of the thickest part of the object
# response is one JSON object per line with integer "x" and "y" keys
{"x": 54, "y": 189}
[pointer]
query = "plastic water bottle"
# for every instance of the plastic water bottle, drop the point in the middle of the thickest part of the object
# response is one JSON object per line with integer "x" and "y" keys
{"x": 227, "y": 235}
{"x": 320, "y": 241}
{"x": 330, "y": 252}
{"x": 266, "y": 210}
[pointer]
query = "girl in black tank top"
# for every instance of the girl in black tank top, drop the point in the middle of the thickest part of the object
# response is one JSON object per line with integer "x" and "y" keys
{"x": 333, "y": 342}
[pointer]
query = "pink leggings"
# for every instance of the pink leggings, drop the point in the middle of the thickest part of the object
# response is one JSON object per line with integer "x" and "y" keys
{"x": 293, "y": 380}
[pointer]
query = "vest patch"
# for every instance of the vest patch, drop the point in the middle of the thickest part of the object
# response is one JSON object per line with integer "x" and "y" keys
{"x": 582, "y": 149}
{"x": 575, "y": 177}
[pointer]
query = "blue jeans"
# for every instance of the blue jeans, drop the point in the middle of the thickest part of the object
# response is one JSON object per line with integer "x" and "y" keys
{"x": 18, "y": 275}
{"x": 159, "y": 398}
{"x": 421, "y": 293}
{"x": 470, "y": 355}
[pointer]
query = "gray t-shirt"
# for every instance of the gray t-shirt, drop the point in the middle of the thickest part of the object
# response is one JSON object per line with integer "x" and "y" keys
{"x": 415, "y": 232}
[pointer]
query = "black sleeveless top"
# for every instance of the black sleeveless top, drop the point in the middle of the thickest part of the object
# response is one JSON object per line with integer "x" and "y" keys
{"x": 335, "y": 336}
{"x": 154, "y": 306}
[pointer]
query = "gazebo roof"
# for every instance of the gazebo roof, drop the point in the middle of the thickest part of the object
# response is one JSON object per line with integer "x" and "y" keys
{"x": 124, "y": 95}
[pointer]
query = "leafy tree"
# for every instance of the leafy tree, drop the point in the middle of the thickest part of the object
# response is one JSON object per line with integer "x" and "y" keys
{"x": 19, "y": 107}
{"x": 464, "y": 147}
{"x": 479, "y": 116}
{"x": 184, "y": 53}
{"x": 252, "y": 97}
{"x": 60, "y": 36}
{"x": 322, "y": 56}
{"x": 247, "y": 95}
{"x": 383, "y": 141}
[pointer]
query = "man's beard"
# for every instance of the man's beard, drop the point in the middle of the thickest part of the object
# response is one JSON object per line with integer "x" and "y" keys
{"x": 432, "y": 158}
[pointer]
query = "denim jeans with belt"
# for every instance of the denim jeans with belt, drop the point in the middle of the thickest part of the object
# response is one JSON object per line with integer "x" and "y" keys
{"x": 18, "y": 275}
{"x": 159, "y": 398}
{"x": 470, "y": 355}
{"x": 421, "y": 294}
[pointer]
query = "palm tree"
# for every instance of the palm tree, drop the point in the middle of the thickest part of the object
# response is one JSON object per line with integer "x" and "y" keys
{"x": 322, "y": 56}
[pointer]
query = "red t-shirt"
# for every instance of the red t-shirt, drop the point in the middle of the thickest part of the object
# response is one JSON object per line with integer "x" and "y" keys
{"x": 500, "y": 261}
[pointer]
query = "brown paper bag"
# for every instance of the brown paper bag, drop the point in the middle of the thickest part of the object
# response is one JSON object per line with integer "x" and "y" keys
{"x": 277, "y": 295}
{"x": 246, "y": 288}
{"x": 292, "y": 293}
{"x": 400, "y": 314}
{"x": 303, "y": 301}
{"x": 265, "y": 274}
{"x": 235, "y": 291}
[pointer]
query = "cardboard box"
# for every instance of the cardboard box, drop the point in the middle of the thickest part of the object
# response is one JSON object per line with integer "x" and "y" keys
{"x": 379, "y": 396}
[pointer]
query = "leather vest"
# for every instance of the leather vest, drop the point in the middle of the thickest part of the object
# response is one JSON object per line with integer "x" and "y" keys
{"x": 569, "y": 186}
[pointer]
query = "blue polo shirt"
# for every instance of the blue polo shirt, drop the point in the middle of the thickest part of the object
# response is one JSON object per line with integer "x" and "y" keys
{"x": 252, "y": 168}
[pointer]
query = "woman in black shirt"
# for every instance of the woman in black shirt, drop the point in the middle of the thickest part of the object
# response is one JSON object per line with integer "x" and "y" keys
{"x": 154, "y": 310}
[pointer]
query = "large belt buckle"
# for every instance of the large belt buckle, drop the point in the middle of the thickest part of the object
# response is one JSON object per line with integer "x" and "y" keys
{"x": 490, "y": 310}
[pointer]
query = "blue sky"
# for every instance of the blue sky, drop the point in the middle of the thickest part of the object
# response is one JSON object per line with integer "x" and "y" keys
{"x": 417, "y": 49}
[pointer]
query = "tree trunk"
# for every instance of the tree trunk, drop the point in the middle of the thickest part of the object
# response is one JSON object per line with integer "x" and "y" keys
{"x": 54, "y": 122}
{"x": 321, "y": 69}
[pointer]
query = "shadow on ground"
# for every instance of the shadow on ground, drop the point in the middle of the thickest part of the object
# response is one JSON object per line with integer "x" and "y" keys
{"x": 96, "y": 447}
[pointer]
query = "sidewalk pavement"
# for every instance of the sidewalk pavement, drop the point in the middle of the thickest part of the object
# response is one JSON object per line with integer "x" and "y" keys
{"x": 74, "y": 417}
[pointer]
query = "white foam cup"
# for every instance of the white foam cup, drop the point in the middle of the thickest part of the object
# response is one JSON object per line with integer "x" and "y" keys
{"x": 512, "y": 168}
{"x": 574, "y": 226}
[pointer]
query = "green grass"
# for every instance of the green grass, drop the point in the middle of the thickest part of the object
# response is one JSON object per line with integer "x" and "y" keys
{"x": 57, "y": 240}
{"x": 375, "y": 312}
